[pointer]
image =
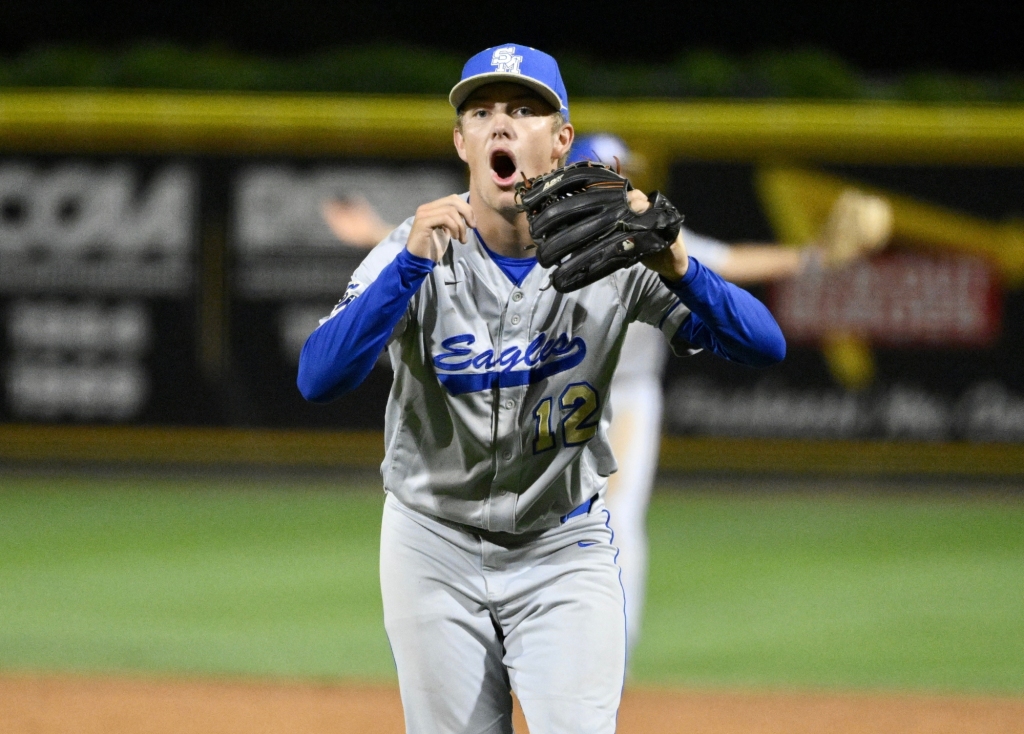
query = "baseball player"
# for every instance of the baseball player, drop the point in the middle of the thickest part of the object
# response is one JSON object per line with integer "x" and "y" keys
{"x": 636, "y": 395}
{"x": 497, "y": 561}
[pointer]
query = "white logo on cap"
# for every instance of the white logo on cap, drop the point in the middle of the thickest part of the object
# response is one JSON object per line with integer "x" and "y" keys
{"x": 506, "y": 61}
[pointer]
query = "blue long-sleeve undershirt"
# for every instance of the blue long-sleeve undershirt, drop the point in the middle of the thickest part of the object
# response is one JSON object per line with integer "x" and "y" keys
{"x": 726, "y": 320}
{"x": 339, "y": 355}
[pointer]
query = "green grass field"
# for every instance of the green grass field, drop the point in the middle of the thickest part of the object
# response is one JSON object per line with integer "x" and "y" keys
{"x": 278, "y": 577}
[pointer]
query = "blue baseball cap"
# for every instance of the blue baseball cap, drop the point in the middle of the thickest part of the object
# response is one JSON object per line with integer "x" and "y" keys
{"x": 511, "y": 62}
{"x": 599, "y": 148}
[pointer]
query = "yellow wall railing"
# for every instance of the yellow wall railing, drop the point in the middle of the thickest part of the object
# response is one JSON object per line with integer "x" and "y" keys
{"x": 365, "y": 450}
{"x": 160, "y": 122}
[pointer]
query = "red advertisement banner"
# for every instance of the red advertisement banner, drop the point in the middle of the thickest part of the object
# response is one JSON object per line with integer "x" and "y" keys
{"x": 902, "y": 299}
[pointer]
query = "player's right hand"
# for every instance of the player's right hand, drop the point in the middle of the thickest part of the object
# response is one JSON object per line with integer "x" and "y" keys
{"x": 354, "y": 221}
{"x": 451, "y": 215}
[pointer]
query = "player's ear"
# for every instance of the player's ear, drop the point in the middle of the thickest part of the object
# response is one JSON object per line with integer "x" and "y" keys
{"x": 460, "y": 144}
{"x": 563, "y": 141}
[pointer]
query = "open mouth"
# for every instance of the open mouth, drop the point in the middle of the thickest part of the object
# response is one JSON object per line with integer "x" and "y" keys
{"x": 504, "y": 167}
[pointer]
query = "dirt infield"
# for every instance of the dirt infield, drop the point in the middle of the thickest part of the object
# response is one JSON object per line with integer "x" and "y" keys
{"x": 55, "y": 705}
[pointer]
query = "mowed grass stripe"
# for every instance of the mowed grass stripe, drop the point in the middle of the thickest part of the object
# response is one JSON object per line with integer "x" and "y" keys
{"x": 205, "y": 576}
{"x": 279, "y": 578}
{"x": 836, "y": 591}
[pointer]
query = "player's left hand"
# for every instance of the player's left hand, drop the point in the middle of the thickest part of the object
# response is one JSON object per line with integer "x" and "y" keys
{"x": 858, "y": 225}
{"x": 672, "y": 263}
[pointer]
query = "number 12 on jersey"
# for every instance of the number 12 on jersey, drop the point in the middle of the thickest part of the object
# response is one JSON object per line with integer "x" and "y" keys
{"x": 578, "y": 415}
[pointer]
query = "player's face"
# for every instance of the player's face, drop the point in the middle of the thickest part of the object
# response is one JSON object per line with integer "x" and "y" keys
{"x": 508, "y": 131}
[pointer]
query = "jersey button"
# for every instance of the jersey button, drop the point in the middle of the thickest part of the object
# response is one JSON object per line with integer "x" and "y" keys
{"x": 517, "y": 296}
{"x": 515, "y": 320}
{"x": 507, "y": 455}
{"x": 509, "y": 404}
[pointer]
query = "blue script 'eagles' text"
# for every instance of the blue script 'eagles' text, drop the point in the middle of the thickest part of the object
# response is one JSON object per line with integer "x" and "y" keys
{"x": 461, "y": 371}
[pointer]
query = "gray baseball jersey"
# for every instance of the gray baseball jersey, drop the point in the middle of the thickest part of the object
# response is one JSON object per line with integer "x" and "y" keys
{"x": 494, "y": 417}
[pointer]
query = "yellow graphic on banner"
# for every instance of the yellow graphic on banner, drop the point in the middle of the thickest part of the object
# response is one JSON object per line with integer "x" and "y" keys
{"x": 797, "y": 202}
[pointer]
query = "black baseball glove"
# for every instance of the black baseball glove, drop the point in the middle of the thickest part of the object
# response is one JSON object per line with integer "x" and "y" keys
{"x": 582, "y": 223}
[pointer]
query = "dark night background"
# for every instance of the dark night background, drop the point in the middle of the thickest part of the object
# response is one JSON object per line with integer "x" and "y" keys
{"x": 879, "y": 37}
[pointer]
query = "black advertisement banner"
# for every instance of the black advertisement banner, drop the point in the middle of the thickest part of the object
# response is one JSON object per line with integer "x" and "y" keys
{"x": 178, "y": 290}
{"x": 921, "y": 342}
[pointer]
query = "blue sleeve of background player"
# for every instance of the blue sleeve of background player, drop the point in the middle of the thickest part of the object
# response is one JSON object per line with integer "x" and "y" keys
{"x": 726, "y": 320}
{"x": 339, "y": 355}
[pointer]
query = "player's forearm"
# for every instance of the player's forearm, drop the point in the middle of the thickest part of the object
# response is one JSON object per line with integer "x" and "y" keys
{"x": 727, "y": 320}
{"x": 756, "y": 263}
{"x": 339, "y": 355}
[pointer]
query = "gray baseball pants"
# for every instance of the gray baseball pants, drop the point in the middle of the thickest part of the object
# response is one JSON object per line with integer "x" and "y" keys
{"x": 473, "y": 615}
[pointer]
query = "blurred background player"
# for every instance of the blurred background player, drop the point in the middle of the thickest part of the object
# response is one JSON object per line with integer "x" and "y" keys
{"x": 636, "y": 392}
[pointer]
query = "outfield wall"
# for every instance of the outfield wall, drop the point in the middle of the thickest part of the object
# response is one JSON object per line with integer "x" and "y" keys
{"x": 162, "y": 257}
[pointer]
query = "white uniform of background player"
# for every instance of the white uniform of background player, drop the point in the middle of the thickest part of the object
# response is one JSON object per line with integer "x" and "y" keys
{"x": 636, "y": 396}
{"x": 635, "y": 434}
{"x": 637, "y": 406}
{"x": 497, "y": 563}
